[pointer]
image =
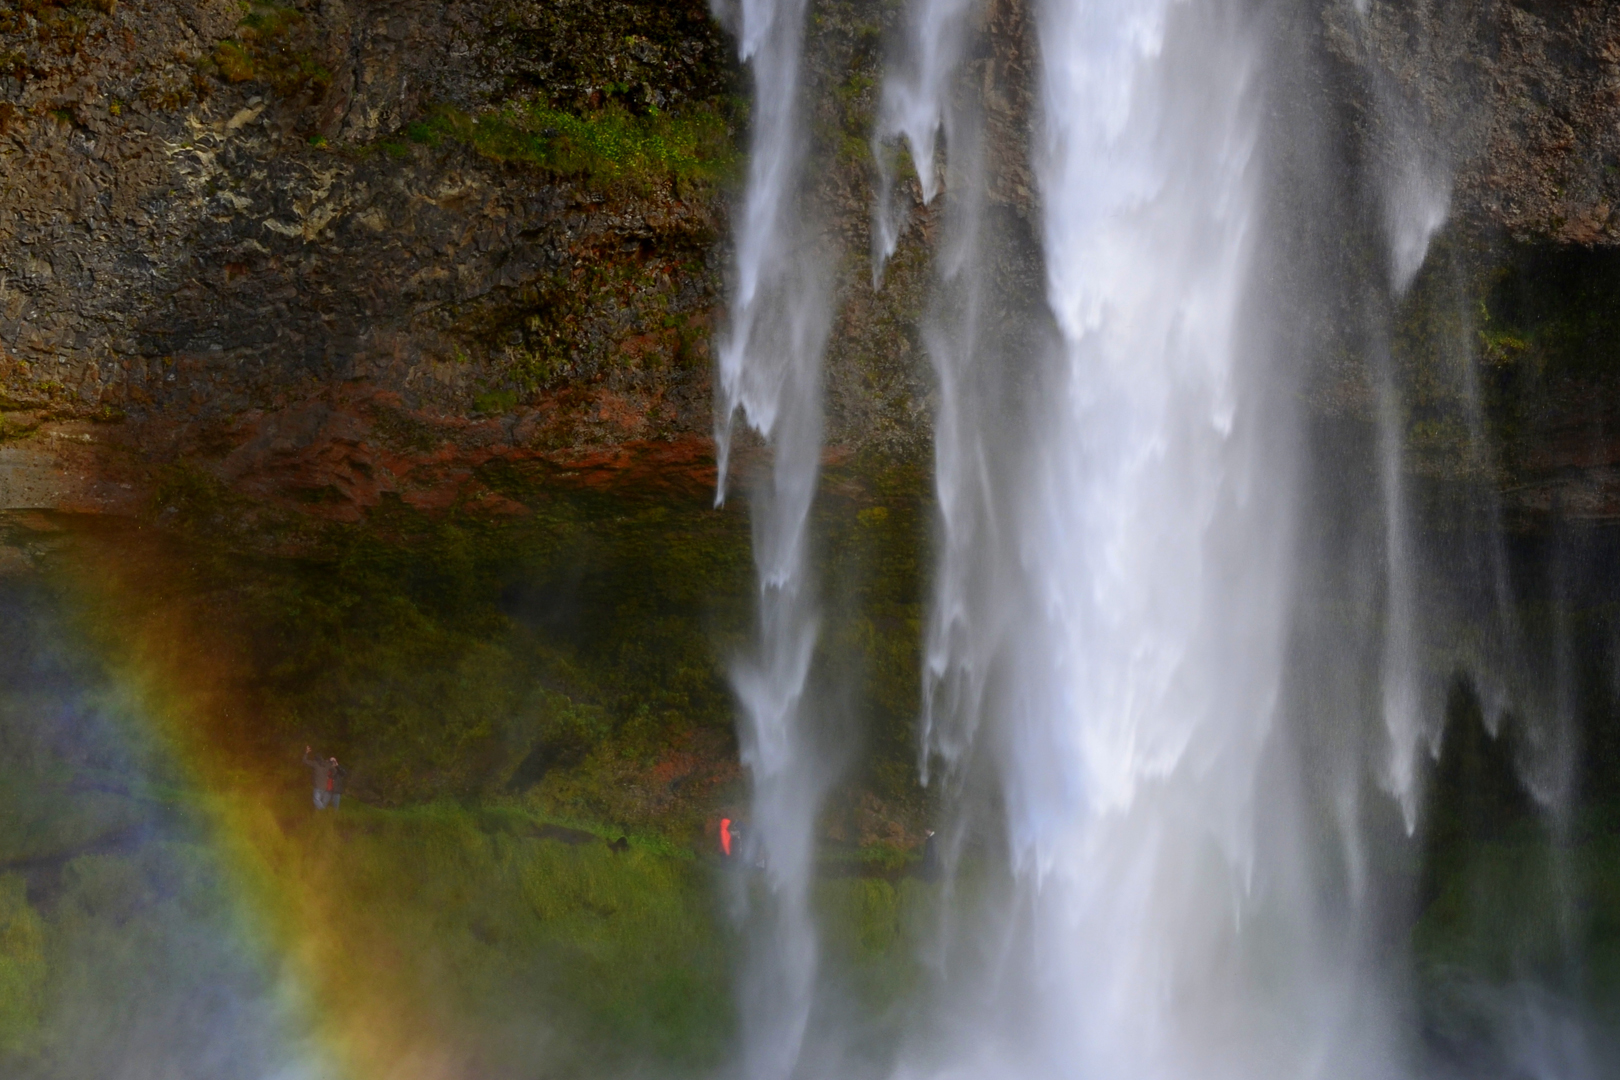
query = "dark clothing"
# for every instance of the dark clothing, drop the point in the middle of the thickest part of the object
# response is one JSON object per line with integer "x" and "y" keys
{"x": 930, "y": 859}
{"x": 323, "y": 771}
{"x": 328, "y": 777}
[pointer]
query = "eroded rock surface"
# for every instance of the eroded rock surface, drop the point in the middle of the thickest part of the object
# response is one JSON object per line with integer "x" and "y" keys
{"x": 1518, "y": 100}
{"x": 243, "y": 235}
{"x": 200, "y": 229}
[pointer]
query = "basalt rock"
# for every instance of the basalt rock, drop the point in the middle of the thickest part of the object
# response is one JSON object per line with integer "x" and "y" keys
{"x": 1519, "y": 102}
{"x": 206, "y": 252}
{"x": 230, "y": 234}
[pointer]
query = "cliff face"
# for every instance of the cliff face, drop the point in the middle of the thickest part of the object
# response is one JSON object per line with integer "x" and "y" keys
{"x": 397, "y": 287}
{"x": 337, "y": 250}
{"x": 221, "y": 240}
{"x": 1517, "y": 101}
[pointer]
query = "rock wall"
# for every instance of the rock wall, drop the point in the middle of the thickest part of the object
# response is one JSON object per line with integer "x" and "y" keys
{"x": 1519, "y": 100}
{"x": 216, "y": 243}
{"x": 270, "y": 240}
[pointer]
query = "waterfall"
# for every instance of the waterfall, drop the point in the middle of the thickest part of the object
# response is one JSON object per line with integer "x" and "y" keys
{"x": 1166, "y": 851}
{"x": 917, "y": 106}
{"x": 920, "y": 105}
{"x": 1146, "y": 797}
{"x": 1413, "y": 193}
{"x": 770, "y": 375}
{"x": 1113, "y": 587}
{"x": 1534, "y": 1019}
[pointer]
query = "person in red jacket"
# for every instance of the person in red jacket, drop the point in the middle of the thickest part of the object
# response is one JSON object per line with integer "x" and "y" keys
{"x": 725, "y": 837}
{"x": 329, "y": 778}
{"x": 335, "y": 777}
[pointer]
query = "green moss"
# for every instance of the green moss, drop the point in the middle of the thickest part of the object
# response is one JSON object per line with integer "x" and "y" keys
{"x": 623, "y": 953}
{"x": 608, "y": 144}
{"x": 1559, "y": 308}
{"x": 1521, "y": 907}
{"x": 637, "y": 314}
{"x": 876, "y": 571}
{"x": 501, "y": 938}
{"x": 268, "y": 20}
{"x": 234, "y": 62}
{"x": 12, "y": 429}
{"x": 495, "y": 402}
{"x": 570, "y": 651}
{"x": 1528, "y": 333}
{"x": 276, "y": 46}
{"x": 22, "y": 966}
{"x": 567, "y": 651}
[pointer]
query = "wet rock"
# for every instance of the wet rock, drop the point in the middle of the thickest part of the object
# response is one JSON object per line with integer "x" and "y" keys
{"x": 219, "y": 224}
{"x": 1517, "y": 99}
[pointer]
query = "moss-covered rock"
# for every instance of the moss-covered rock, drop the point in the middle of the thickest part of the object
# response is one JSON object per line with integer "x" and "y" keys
{"x": 22, "y": 967}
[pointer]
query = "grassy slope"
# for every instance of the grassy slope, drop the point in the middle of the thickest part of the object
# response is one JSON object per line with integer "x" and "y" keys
{"x": 488, "y": 679}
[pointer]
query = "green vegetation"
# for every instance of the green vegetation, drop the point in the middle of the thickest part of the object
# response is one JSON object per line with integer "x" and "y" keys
{"x": 872, "y": 929}
{"x": 1523, "y": 908}
{"x": 22, "y": 966}
{"x": 264, "y": 21}
{"x": 235, "y": 63}
{"x": 608, "y": 144}
{"x": 1556, "y": 309}
{"x": 570, "y": 325}
{"x": 478, "y": 933}
{"x": 568, "y": 650}
{"x": 496, "y": 402}
{"x": 514, "y": 689}
{"x": 1530, "y": 334}
{"x": 481, "y": 933}
{"x": 571, "y": 653}
{"x": 272, "y": 45}
{"x": 877, "y": 571}
{"x": 1508, "y": 897}
{"x": 622, "y": 955}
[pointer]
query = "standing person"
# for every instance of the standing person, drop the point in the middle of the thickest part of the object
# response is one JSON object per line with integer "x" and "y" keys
{"x": 725, "y": 837}
{"x": 334, "y": 782}
{"x": 323, "y": 778}
{"x": 930, "y": 859}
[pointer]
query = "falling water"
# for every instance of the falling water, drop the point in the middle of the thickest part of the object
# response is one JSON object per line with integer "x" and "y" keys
{"x": 1114, "y": 585}
{"x": 1114, "y": 703}
{"x": 770, "y": 375}
{"x": 1155, "y": 541}
{"x": 917, "y": 106}
{"x": 1537, "y": 1027}
{"x": 921, "y": 103}
{"x": 1413, "y": 192}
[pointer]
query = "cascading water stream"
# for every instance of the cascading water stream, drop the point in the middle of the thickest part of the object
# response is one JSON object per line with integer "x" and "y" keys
{"x": 1155, "y": 539}
{"x": 917, "y": 106}
{"x": 770, "y": 373}
{"x": 1414, "y": 195}
{"x": 1412, "y": 184}
{"x": 1116, "y": 587}
{"x": 1113, "y": 587}
{"x": 920, "y": 105}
